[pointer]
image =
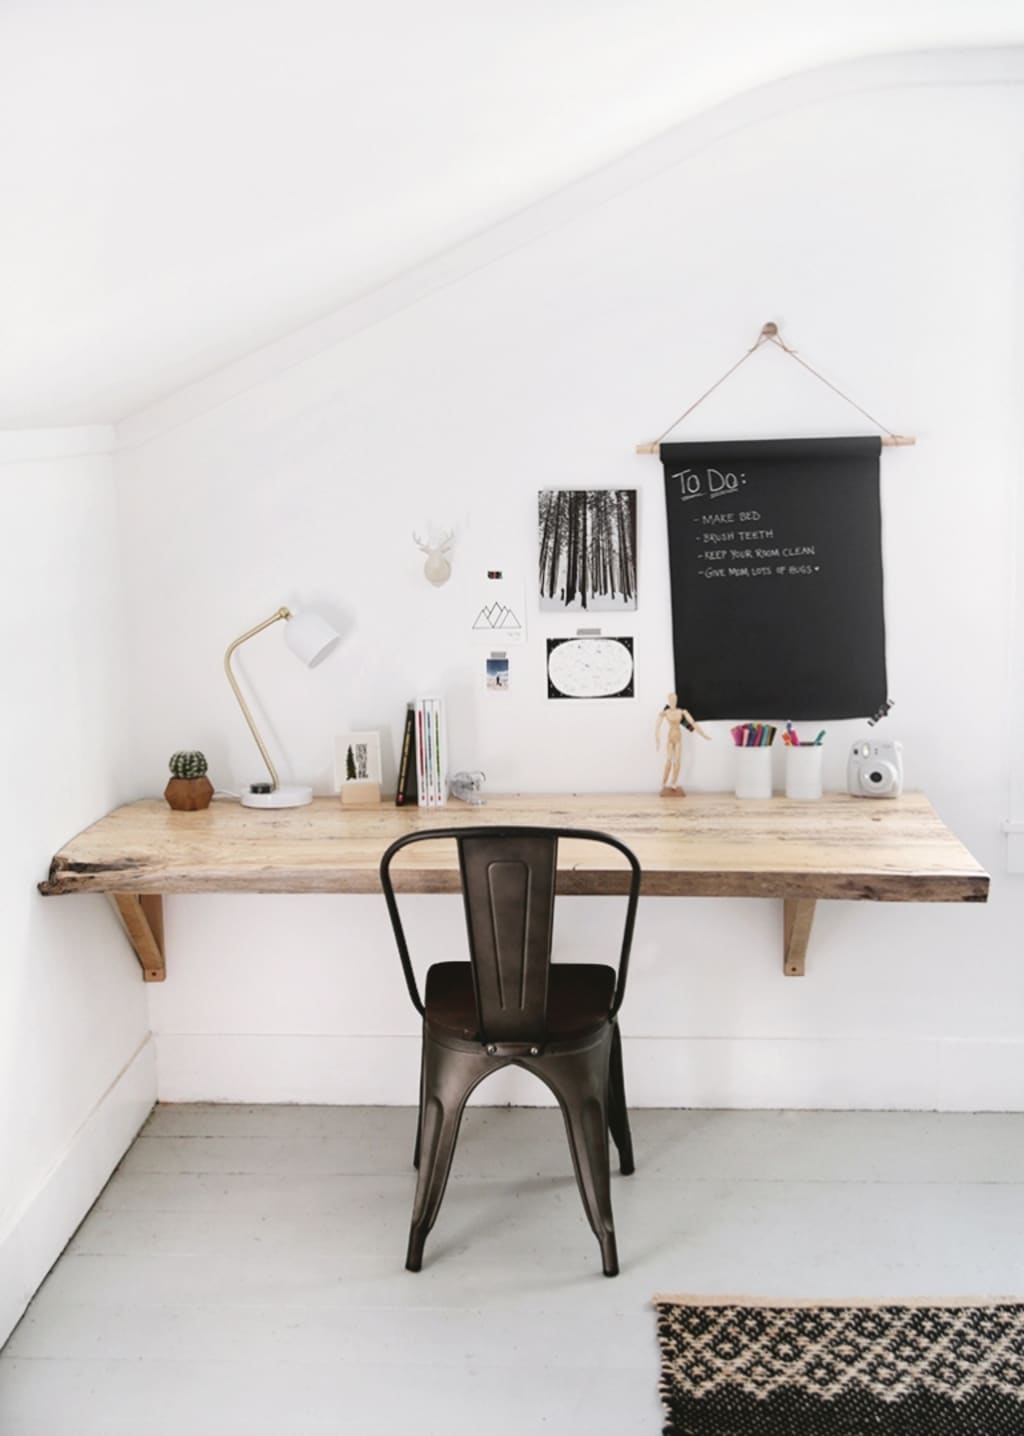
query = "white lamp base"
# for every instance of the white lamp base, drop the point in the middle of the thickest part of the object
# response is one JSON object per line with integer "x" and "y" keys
{"x": 280, "y": 798}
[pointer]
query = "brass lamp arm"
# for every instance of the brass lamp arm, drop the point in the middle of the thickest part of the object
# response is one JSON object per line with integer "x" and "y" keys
{"x": 274, "y": 618}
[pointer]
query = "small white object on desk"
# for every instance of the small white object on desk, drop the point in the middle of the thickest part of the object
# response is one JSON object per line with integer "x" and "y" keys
{"x": 466, "y": 787}
{"x": 803, "y": 770}
{"x": 753, "y": 772}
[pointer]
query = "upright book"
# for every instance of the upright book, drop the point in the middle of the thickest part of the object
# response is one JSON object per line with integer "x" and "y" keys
{"x": 422, "y": 785}
{"x": 405, "y": 792}
{"x": 430, "y": 752}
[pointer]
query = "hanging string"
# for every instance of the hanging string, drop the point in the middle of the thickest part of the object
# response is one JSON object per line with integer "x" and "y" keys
{"x": 761, "y": 339}
{"x": 774, "y": 339}
{"x": 770, "y": 335}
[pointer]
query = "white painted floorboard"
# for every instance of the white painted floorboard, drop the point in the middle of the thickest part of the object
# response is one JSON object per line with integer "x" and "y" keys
{"x": 243, "y": 1269}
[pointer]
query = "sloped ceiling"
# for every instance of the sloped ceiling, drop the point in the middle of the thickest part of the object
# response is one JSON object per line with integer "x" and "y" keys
{"x": 185, "y": 180}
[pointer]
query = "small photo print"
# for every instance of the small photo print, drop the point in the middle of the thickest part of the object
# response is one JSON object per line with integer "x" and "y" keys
{"x": 587, "y": 550}
{"x": 356, "y": 759}
{"x": 497, "y": 674}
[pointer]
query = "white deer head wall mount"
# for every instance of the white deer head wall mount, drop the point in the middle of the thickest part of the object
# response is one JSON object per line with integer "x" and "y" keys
{"x": 437, "y": 569}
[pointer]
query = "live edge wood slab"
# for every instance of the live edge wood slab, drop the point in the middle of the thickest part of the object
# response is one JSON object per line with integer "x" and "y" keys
{"x": 708, "y": 845}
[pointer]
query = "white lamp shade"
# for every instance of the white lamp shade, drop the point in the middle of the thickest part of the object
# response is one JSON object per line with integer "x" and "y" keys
{"x": 310, "y": 637}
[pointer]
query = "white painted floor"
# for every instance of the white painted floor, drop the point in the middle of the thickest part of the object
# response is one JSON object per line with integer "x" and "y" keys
{"x": 243, "y": 1270}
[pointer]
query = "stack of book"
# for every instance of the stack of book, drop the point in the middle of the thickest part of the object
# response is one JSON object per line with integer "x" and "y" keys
{"x": 423, "y": 764}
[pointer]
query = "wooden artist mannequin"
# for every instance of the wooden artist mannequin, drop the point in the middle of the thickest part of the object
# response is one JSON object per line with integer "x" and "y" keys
{"x": 677, "y": 719}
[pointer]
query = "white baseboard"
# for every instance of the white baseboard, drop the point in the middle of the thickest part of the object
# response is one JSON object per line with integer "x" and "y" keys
{"x": 923, "y": 1074}
{"x": 47, "y": 1223}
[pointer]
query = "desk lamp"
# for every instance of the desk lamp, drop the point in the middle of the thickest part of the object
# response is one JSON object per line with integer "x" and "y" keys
{"x": 310, "y": 638}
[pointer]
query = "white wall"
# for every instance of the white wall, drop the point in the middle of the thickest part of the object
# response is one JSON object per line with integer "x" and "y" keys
{"x": 76, "y": 1068}
{"x": 1015, "y": 824}
{"x": 882, "y": 230}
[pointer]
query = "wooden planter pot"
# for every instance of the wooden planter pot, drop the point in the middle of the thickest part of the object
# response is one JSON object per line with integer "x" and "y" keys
{"x": 186, "y": 795}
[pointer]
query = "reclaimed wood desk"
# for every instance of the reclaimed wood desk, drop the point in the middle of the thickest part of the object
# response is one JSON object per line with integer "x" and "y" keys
{"x": 706, "y": 845}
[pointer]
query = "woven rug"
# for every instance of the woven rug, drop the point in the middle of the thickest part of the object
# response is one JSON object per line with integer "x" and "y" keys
{"x": 731, "y": 1366}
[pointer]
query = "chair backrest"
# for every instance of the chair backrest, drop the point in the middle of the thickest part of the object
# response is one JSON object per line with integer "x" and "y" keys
{"x": 508, "y": 886}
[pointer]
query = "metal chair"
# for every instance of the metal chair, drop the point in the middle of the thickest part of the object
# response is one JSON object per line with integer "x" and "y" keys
{"x": 511, "y": 1005}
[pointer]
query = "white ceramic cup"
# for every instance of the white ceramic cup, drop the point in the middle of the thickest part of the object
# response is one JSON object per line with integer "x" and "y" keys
{"x": 753, "y": 772}
{"x": 803, "y": 771}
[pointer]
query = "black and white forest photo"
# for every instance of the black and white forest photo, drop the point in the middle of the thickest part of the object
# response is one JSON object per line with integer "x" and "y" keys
{"x": 587, "y": 549}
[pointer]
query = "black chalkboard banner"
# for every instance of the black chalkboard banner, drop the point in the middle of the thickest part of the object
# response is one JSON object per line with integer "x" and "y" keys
{"x": 775, "y": 552}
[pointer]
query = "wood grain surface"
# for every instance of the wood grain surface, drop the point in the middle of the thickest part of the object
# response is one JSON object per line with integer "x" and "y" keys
{"x": 709, "y": 844}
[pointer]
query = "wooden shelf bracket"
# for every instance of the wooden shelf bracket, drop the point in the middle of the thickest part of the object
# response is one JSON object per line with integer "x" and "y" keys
{"x": 142, "y": 915}
{"x": 797, "y": 917}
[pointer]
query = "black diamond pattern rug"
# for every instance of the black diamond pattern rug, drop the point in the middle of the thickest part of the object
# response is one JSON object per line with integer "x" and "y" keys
{"x": 732, "y": 1366}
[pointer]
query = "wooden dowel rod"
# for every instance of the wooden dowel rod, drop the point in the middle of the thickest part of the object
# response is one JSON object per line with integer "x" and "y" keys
{"x": 888, "y": 441}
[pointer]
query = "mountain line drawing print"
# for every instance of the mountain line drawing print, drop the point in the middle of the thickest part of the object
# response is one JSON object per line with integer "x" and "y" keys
{"x": 587, "y": 549}
{"x": 496, "y": 616}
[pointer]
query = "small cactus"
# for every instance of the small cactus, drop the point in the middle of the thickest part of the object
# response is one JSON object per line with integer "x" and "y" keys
{"x": 188, "y": 765}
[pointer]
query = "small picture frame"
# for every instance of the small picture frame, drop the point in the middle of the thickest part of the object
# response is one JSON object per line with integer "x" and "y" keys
{"x": 497, "y": 673}
{"x": 356, "y": 760}
{"x": 590, "y": 666}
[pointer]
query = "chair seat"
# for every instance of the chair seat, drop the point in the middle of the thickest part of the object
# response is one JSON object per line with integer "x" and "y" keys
{"x": 579, "y": 999}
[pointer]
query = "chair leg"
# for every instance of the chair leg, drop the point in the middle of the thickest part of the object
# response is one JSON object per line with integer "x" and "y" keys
{"x": 419, "y": 1109}
{"x": 618, "y": 1114}
{"x": 449, "y": 1077}
{"x": 580, "y": 1082}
